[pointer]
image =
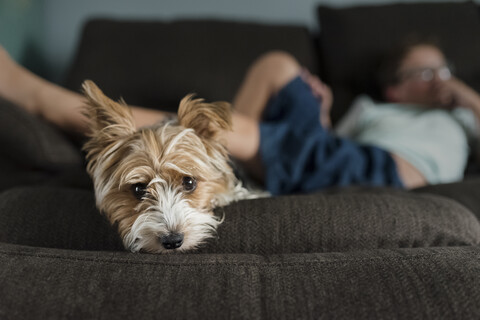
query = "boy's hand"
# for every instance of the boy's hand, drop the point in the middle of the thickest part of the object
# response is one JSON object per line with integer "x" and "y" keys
{"x": 455, "y": 93}
{"x": 323, "y": 93}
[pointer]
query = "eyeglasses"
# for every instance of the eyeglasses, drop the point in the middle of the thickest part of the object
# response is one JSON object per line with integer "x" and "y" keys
{"x": 427, "y": 74}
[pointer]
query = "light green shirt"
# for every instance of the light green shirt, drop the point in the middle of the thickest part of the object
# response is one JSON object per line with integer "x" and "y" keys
{"x": 435, "y": 141}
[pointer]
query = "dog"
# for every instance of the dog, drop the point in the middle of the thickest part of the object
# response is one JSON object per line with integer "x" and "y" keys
{"x": 160, "y": 184}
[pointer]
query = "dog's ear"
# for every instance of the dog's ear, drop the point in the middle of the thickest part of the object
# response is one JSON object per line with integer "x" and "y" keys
{"x": 107, "y": 117}
{"x": 207, "y": 119}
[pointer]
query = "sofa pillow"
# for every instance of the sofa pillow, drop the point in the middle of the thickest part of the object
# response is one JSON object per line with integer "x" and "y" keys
{"x": 154, "y": 63}
{"x": 352, "y": 40}
{"x": 347, "y": 221}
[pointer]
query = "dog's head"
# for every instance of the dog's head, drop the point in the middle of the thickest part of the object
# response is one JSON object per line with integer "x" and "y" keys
{"x": 159, "y": 184}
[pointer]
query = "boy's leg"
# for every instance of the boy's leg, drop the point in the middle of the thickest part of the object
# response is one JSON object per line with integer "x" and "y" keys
{"x": 57, "y": 105}
{"x": 40, "y": 97}
{"x": 266, "y": 77}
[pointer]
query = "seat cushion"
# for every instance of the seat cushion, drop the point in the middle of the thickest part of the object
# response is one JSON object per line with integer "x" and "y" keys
{"x": 419, "y": 283}
{"x": 67, "y": 218}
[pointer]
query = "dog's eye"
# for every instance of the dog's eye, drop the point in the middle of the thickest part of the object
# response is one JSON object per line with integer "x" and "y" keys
{"x": 139, "y": 190}
{"x": 189, "y": 184}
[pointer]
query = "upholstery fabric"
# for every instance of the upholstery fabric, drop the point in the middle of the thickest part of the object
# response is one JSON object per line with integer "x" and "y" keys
{"x": 466, "y": 192}
{"x": 60, "y": 217}
{"x": 33, "y": 151}
{"x": 420, "y": 283}
{"x": 147, "y": 65}
{"x": 29, "y": 141}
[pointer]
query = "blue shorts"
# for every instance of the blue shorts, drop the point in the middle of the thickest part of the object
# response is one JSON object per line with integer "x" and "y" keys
{"x": 300, "y": 156}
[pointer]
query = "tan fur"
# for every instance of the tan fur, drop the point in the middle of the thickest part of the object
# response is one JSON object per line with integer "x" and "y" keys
{"x": 207, "y": 119}
{"x": 119, "y": 156}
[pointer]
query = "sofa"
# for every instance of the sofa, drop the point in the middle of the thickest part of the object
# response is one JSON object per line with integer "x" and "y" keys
{"x": 345, "y": 252}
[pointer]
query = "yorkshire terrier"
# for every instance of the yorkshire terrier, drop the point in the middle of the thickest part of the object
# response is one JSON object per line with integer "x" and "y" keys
{"x": 160, "y": 184}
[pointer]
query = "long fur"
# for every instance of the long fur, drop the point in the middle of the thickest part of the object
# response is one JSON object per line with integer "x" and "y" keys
{"x": 119, "y": 156}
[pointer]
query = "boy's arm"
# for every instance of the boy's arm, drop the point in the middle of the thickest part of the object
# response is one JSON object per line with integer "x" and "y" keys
{"x": 455, "y": 93}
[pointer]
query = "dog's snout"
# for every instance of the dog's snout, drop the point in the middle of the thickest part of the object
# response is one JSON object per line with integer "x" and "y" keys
{"x": 172, "y": 241}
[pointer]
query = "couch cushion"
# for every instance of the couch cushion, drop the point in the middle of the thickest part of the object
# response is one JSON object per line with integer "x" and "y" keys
{"x": 353, "y": 39}
{"x": 420, "y": 283}
{"x": 54, "y": 217}
{"x": 381, "y": 218}
{"x": 33, "y": 151}
{"x": 154, "y": 64}
{"x": 345, "y": 222}
{"x": 466, "y": 192}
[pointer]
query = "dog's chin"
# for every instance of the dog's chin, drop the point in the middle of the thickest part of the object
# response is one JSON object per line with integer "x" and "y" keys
{"x": 147, "y": 232}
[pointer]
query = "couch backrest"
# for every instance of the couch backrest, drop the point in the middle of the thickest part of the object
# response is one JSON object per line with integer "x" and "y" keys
{"x": 154, "y": 64}
{"x": 353, "y": 40}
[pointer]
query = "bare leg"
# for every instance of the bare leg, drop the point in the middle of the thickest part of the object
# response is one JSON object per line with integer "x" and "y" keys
{"x": 267, "y": 75}
{"x": 54, "y": 103}
{"x": 39, "y": 96}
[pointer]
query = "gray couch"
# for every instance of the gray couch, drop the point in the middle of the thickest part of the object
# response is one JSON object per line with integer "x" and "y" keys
{"x": 356, "y": 252}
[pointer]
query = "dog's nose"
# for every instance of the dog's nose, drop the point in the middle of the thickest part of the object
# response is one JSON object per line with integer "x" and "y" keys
{"x": 172, "y": 241}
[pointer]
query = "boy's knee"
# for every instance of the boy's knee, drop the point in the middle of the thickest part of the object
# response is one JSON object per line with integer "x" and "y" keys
{"x": 279, "y": 60}
{"x": 279, "y": 66}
